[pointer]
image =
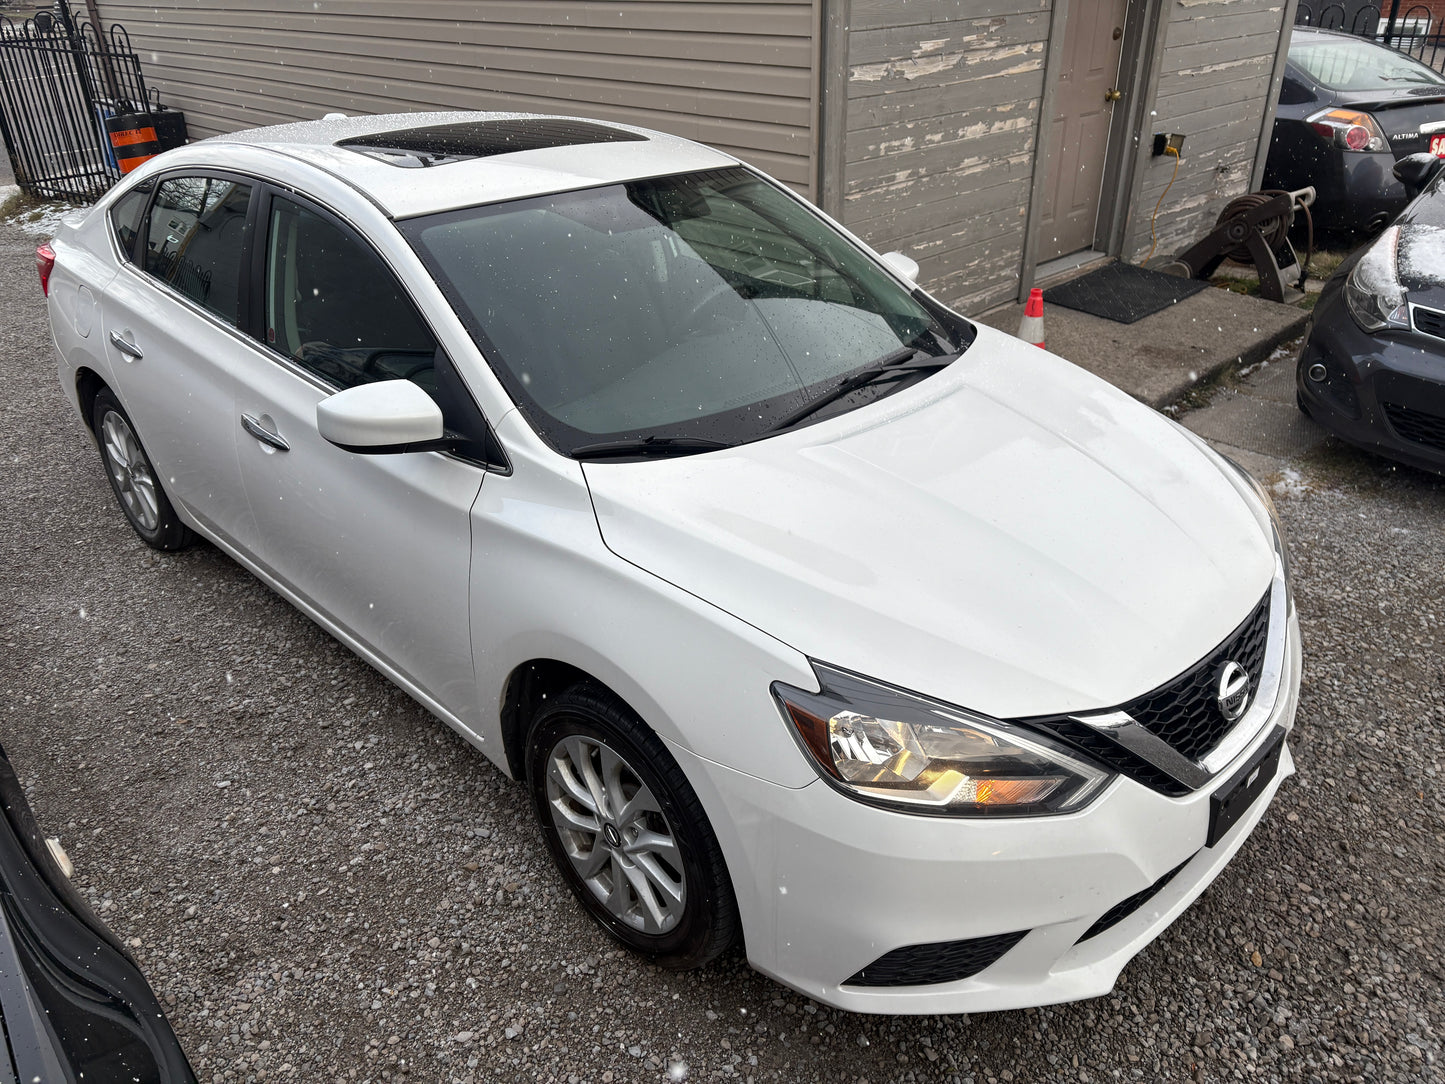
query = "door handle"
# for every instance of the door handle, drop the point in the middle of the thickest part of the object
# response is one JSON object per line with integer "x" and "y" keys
{"x": 1112, "y": 95}
{"x": 253, "y": 426}
{"x": 125, "y": 346}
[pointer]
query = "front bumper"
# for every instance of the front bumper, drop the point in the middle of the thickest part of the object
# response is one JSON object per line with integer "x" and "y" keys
{"x": 1363, "y": 373}
{"x": 826, "y": 885}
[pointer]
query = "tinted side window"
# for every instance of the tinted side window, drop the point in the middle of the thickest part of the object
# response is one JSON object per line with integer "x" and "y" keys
{"x": 125, "y": 217}
{"x": 1293, "y": 92}
{"x": 335, "y": 308}
{"x": 195, "y": 238}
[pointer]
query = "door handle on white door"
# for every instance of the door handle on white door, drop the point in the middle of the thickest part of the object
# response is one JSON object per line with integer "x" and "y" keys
{"x": 253, "y": 426}
{"x": 125, "y": 346}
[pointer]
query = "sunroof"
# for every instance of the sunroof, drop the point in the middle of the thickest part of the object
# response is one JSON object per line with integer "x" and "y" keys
{"x": 443, "y": 143}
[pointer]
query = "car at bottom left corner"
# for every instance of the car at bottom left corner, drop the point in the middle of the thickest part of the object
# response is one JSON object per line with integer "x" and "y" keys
{"x": 75, "y": 1005}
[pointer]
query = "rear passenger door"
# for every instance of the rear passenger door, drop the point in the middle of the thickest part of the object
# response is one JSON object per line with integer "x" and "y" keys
{"x": 172, "y": 323}
{"x": 378, "y": 544}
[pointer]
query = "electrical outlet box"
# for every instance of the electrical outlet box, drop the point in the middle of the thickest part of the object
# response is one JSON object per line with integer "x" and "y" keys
{"x": 1168, "y": 144}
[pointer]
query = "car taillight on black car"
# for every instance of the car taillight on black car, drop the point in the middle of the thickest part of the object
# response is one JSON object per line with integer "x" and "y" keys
{"x": 1350, "y": 129}
{"x": 44, "y": 263}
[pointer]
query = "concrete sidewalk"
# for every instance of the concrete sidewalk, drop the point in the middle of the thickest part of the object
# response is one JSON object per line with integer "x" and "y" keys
{"x": 1160, "y": 358}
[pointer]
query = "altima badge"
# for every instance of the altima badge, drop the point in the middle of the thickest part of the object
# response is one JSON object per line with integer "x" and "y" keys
{"x": 1233, "y": 690}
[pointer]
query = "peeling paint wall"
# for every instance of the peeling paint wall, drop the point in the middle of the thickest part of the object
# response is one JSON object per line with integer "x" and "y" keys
{"x": 1213, "y": 87}
{"x": 943, "y": 108}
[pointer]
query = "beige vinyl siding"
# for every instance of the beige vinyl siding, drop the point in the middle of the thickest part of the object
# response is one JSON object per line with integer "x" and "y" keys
{"x": 740, "y": 75}
{"x": 1214, "y": 86}
{"x": 943, "y": 107}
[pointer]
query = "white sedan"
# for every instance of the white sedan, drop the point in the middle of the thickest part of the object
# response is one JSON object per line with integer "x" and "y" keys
{"x": 818, "y": 619}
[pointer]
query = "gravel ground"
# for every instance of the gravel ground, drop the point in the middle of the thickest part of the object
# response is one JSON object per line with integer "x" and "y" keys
{"x": 325, "y": 884}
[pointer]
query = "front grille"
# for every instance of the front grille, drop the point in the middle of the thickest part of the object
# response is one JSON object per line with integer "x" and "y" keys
{"x": 1185, "y": 712}
{"x": 1417, "y": 426}
{"x": 941, "y": 961}
{"x": 1124, "y": 908}
{"x": 1429, "y": 322}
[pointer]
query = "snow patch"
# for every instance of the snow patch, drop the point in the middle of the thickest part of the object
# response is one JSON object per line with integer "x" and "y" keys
{"x": 1375, "y": 273}
{"x": 42, "y": 221}
{"x": 1421, "y": 257}
{"x": 1290, "y": 483}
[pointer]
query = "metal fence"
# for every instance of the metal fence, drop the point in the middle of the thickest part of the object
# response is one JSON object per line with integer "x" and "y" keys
{"x": 59, "y": 81}
{"x": 1413, "y": 29}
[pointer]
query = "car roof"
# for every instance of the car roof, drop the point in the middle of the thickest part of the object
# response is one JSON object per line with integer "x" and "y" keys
{"x": 421, "y": 163}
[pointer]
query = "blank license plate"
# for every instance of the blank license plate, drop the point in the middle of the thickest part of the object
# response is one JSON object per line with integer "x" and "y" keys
{"x": 1229, "y": 802}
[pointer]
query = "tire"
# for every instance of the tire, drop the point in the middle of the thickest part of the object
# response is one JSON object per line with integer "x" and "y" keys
{"x": 133, "y": 479}
{"x": 670, "y": 901}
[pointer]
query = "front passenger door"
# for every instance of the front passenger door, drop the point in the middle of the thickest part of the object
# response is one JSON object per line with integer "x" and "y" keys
{"x": 378, "y": 544}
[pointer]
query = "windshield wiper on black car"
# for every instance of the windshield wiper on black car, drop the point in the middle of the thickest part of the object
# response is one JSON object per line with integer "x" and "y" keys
{"x": 646, "y": 446}
{"x": 893, "y": 366}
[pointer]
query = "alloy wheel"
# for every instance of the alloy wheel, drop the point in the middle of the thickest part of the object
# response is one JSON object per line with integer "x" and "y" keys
{"x": 131, "y": 471}
{"x": 615, "y": 834}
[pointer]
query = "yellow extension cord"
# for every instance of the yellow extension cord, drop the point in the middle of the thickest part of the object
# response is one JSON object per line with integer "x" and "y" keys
{"x": 1153, "y": 239}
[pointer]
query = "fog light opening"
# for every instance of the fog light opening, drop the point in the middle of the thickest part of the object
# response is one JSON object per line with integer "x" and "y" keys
{"x": 1317, "y": 373}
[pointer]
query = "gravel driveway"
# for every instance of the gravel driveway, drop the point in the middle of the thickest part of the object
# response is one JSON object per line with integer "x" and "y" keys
{"x": 325, "y": 884}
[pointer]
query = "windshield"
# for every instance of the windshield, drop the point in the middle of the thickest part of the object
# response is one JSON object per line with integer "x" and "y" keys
{"x": 708, "y": 306}
{"x": 1354, "y": 65}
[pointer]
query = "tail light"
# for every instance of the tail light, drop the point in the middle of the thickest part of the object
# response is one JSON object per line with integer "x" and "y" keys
{"x": 1350, "y": 129}
{"x": 45, "y": 263}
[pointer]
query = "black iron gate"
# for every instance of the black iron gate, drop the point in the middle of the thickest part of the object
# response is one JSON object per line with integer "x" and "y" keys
{"x": 1411, "y": 28}
{"x": 59, "y": 81}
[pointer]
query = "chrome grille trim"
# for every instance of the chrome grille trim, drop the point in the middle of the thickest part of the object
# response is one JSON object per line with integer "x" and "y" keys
{"x": 1127, "y": 732}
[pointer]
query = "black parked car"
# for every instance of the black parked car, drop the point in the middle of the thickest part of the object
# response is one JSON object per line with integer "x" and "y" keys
{"x": 1348, "y": 110}
{"x": 1373, "y": 365}
{"x": 73, "y": 1004}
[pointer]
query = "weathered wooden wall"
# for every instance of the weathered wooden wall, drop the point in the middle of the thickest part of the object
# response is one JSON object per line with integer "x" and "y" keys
{"x": 738, "y": 74}
{"x": 1214, "y": 87}
{"x": 943, "y": 109}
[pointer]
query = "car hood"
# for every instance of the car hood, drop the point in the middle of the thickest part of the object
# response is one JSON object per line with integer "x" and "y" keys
{"x": 1012, "y": 535}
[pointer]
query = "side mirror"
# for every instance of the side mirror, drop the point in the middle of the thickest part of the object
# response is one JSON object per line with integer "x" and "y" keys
{"x": 1415, "y": 171}
{"x": 902, "y": 265}
{"x": 388, "y": 416}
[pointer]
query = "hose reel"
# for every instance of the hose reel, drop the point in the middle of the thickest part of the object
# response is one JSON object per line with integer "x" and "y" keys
{"x": 1253, "y": 229}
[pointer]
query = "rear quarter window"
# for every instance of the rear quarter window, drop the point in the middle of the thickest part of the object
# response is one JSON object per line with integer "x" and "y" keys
{"x": 125, "y": 218}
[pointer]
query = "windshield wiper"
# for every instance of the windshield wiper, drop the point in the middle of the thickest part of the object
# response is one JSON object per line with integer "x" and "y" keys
{"x": 646, "y": 446}
{"x": 893, "y": 366}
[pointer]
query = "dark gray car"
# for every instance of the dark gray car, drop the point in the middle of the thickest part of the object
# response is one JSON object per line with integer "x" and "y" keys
{"x": 1373, "y": 365}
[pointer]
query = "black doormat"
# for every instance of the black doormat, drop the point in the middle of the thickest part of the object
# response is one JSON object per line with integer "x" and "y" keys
{"x": 1122, "y": 292}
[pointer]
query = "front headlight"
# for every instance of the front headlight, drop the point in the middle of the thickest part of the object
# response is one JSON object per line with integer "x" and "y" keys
{"x": 1373, "y": 293}
{"x": 889, "y": 747}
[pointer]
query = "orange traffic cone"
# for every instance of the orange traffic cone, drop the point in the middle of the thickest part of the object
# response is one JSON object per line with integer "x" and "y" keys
{"x": 1031, "y": 327}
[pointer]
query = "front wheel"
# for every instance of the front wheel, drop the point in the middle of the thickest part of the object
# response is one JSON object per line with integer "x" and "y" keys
{"x": 627, "y": 831}
{"x": 139, "y": 491}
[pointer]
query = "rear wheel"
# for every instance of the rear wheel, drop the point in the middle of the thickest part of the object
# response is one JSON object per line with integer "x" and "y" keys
{"x": 627, "y": 831}
{"x": 139, "y": 491}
